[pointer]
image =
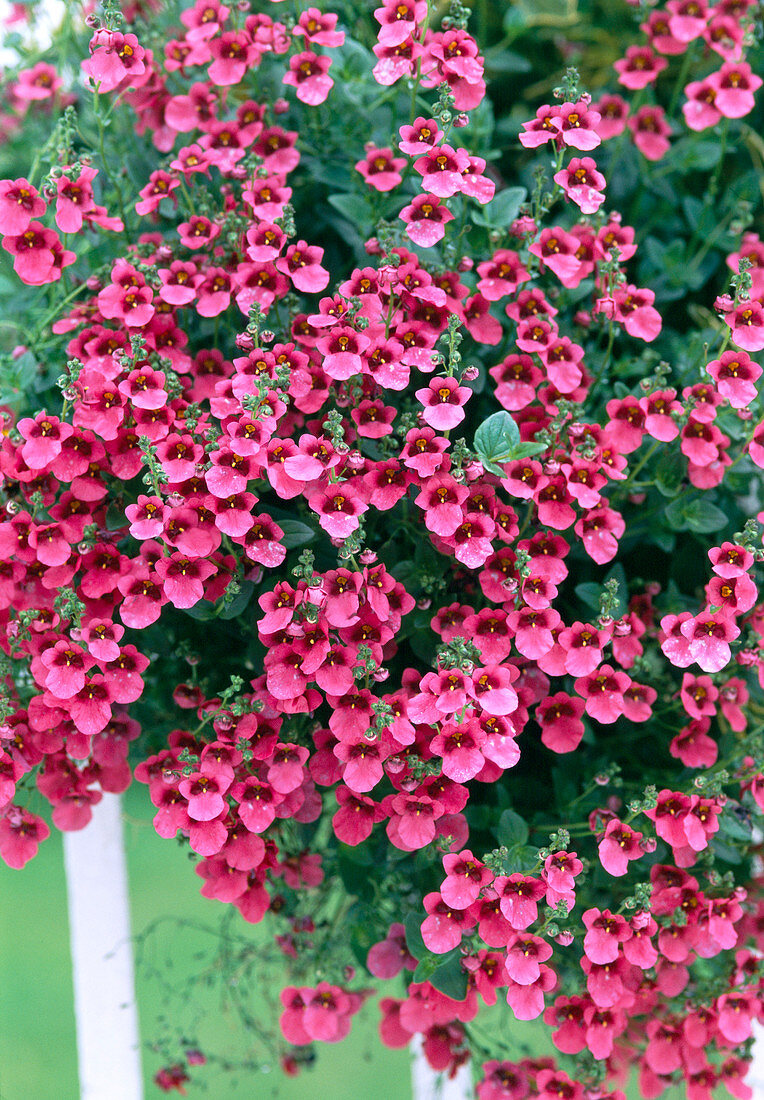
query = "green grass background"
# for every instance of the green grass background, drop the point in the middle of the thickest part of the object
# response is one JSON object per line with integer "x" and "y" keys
{"x": 37, "y": 1031}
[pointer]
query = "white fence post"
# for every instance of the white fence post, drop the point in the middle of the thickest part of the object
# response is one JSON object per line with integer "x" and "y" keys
{"x": 105, "y": 1011}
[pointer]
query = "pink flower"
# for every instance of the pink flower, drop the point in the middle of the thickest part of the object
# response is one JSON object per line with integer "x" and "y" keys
{"x": 639, "y": 68}
{"x": 558, "y": 249}
{"x": 420, "y": 137}
{"x": 525, "y": 953}
{"x": 635, "y": 311}
{"x": 613, "y": 111}
{"x": 399, "y": 20}
{"x": 519, "y": 897}
{"x": 688, "y": 18}
{"x": 603, "y": 692}
{"x": 338, "y": 507}
{"x": 618, "y": 847}
{"x": 700, "y": 109}
{"x": 425, "y": 220}
{"x": 387, "y": 958}
{"x": 443, "y": 402}
{"x": 308, "y": 74}
{"x": 37, "y": 254}
{"x": 395, "y": 62}
{"x": 582, "y": 183}
{"x": 746, "y": 322}
{"x": 21, "y": 833}
{"x": 342, "y": 350}
{"x": 578, "y": 125}
{"x": 319, "y": 28}
{"x": 560, "y": 719}
{"x": 735, "y": 375}
{"x": 475, "y": 184}
{"x": 527, "y": 1003}
{"x": 441, "y": 170}
{"x": 381, "y": 169}
{"x": 38, "y": 83}
{"x": 183, "y": 578}
{"x": 113, "y": 57}
{"x": 302, "y": 263}
{"x": 544, "y": 127}
{"x": 356, "y": 817}
{"x": 19, "y": 204}
{"x": 232, "y": 53}
{"x": 44, "y": 438}
{"x": 442, "y": 930}
{"x": 160, "y": 186}
{"x": 709, "y": 637}
{"x": 204, "y": 20}
{"x": 605, "y": 933}
{"x": 465, "y": 878}
{"x": 734, "y": 85}
{"x": 650, "y": 131}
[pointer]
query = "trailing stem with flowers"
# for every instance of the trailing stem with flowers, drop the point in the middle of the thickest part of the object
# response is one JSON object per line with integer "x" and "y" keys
{"x": 381, "y": 489}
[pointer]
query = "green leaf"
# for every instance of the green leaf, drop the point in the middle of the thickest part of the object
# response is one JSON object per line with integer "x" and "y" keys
{"x": 735, "y": 826}
{"x": 664, "y": 540}
{"x": 512, "y": 829}
{"x": 520, "y": 859}
{"x": 669, "y": 473}
{"x": 507, "y": 62}
{"x": 505, "y": 206}
{"x": 589, "y": 593}
{"x": 353, "y": 207}
{"x": 525, "y": 450}
{"x": 689, "y": 154}
{"x": 203, "y": 611}
{"x": 238, "y": 603}
{"x": 728, "y": 852}
{"x": 414, "y": 941}
{"x": 445, "y": 973}
{"x": 496, "y": 439}
{"x": 295, "y": 533}
{"x": 698, "y": 515}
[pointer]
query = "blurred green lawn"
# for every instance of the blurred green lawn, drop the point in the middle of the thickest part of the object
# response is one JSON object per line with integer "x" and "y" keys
{"x": 37, "y": 1036}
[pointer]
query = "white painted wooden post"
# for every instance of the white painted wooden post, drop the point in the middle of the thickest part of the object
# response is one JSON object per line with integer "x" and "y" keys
{"x": 105, "y": 1011}
{"x": 426, "y": 1084}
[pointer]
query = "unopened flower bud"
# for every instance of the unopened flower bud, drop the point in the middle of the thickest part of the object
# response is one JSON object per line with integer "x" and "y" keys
{"x": 461, "y": 120}
{"x": 522, "y": 227}
{"x": 470, "y": 374}
{"x": 564, "y": 938}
